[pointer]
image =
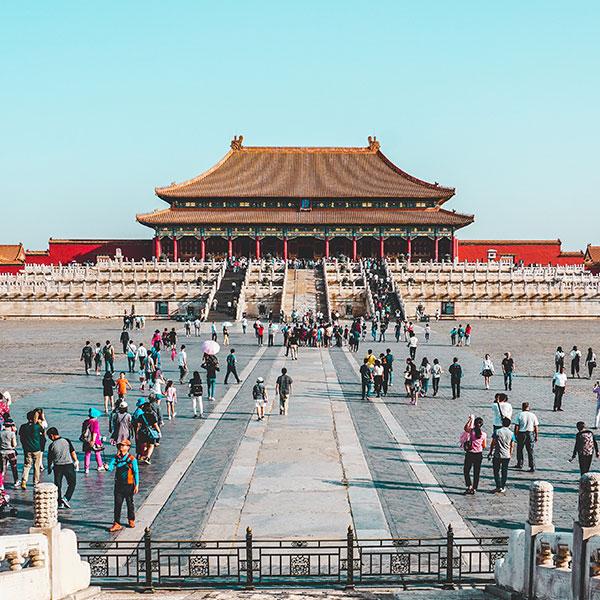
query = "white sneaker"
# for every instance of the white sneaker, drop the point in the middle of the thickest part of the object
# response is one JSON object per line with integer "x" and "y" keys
{"x": 87, "y": 471}
{"x": 170, "y": 417}
{"x": 101, "y": 468}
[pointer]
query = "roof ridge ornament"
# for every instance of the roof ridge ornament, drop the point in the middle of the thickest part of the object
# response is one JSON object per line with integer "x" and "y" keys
{"x": 374, "y": 145}
{"x": 236, "y": 142}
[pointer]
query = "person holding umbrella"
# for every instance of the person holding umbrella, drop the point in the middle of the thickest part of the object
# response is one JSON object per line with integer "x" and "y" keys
{"x": 210, "y": 364}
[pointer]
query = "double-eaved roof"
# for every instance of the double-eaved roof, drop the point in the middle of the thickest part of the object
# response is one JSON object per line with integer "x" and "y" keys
{"x": 305, "y": 173}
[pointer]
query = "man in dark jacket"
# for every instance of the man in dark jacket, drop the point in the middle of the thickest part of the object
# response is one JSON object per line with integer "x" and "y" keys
{"x": 31, "y": 435}
{"x": 455, "y": 371}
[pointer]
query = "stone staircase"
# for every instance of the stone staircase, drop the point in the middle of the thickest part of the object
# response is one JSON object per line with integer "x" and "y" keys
{"x": 227, "y": 292}
{"x": 304, "y": 291}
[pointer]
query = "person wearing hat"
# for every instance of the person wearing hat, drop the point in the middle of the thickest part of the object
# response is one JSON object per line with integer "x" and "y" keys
{"x": 127, "y": 482}
{"x": 259, "y": 393}
{"x": 63, "y": 459}
{"x": 92, "y": 440}
{"x": 120, "y": 425}
{"x": 135, "y": 417}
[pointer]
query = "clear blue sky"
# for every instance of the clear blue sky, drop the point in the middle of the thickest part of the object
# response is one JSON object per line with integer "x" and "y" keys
{"x": 101, "y": 102}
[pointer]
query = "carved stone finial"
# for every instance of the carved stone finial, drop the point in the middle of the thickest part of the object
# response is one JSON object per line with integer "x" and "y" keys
{"x": 45, "y": 505}
{"x": 540, "y": 503}
{"x": 373, "y": 143}
{"x": 236, "y": 142}
{"x": 589, "y": 500}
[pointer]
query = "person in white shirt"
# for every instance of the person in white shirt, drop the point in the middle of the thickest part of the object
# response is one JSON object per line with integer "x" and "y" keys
{"x": 182, "y": 364}
{"x": 413, "y": 342}
{"x": 559, "y": 384}
{"x": 197, "y": 324}
{"x": 526, "y": 432}
{"x": 487, "y": 370}
{"x": 501, "y": 409}
{"x": 436, "y": 373}
{"x": 141, "y": 354}
{"x": 244, "y": 325}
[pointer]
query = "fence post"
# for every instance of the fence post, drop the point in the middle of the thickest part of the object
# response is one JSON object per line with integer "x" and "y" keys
{"x": 249, "y": 561}
{"x": 350, "y": 559}
{"x": 148, "y": 560}
{"x": 449, "y": 584}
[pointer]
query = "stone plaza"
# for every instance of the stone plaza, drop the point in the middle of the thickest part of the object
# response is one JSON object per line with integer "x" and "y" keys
{"x": 387, "y": 468}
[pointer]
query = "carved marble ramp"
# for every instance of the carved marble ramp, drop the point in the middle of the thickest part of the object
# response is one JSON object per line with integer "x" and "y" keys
{"x": 292, "y": 475}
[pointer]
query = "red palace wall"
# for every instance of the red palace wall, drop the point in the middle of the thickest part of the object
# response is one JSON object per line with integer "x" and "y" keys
{"x": 66, "y": 251}
{"x": 530, "y": 252}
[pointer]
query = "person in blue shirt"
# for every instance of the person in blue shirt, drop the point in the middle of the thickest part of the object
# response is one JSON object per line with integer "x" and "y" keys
{"x": 127, "y": 480}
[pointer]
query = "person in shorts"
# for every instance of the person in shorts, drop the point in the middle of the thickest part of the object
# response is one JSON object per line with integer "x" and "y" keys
{"x": 259, "y": 393}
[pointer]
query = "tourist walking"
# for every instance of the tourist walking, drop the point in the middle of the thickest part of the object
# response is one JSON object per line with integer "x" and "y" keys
{"x": 108, "y": 353}
{"x": 597, "y": 392}
{"x": 108, "y": 391}
{"x": 231, "y": 361}
{"x": 575, "y": 362}
{"x": 425, "y": 375}
{"x": 453, "y": 334}
{"x": 468, "y": 333}
{"x": 412, "y": 346}
{"x": 585, "y": 448}
{"x": 436, "y": 373}
{"x": 508, "y": 367}
{"x": 148, "y": 432}
{"x": 127, "y": 481}
{"x": 197, "y": 324}
{"x": 31, "y": 436}
{"x": 501, "y": 449}
{"x": 283, "y": 388}
{"x": 456, "y": 374}
{"x": 141, "y": 354}
{"x": 195, "y": 394}
{"x": 559, "y": 359}
{"x": 526, "y": 432}
{"x": 410, "y": 374}
{"x": 473, "y": 441}
{"x": 501, "y": 409}
{"x": 378, "y": 377}
{"x": 87, "y": 355}
{"x": 8, "y": 449}
{"x": 487, "y": 370}
{"x": 182, "y": 363}
{"x": 120, "y": 425}
{"x": 244, "y": 325}
{"x": 225, "y": 335}
{"x": 171, "y": 399}
{"x": 92, "y": 441}
{"x": 590, "y": 362}
{"x": 259, "y": 393}
{"x": 389, "y": 359}
{"x": 213, "y": 331}
{"x": 366, "y": 379}
{"x": 122, "y": 386}
{"x": 130, "y": 352}
{"x": 98, "y": 358}
{"x": 559, "y": 385}
{"x": 62, "y": 458}
{"x": 124, "y": 339}
{"x": 211, "y": 365}
{"x": 427, "y": 332}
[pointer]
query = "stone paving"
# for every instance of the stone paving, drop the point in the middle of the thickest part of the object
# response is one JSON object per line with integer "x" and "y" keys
{"x": 334, "y": 460}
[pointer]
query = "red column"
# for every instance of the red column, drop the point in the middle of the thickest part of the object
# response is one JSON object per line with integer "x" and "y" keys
{"x": 381, "y": 247}
{"x": 157, "y": 249}
{"x": 175, "y": 249}
{"x": 202, "y": 248}
{"x": 229, "y": 247}
{"x": 454, "y": 248}
{"x": 354, "y": 249}
{"x": 257, "y": 251}
{"x": 437, "y": 248}
{"x": 409, "y": 248}
{"x": 326, "y": 246}
{"x": 285, "y": 248}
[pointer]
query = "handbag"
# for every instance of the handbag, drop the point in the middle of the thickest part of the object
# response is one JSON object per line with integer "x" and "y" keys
{"x": 150, "y": 432}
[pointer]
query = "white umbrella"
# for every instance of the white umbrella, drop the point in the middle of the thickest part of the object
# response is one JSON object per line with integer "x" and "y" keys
{"x": 210, "y": 347}
{"x": 227, "y": 324}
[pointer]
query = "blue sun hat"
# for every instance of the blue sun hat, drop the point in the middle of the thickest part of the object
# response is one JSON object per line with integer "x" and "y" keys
{"x": 94, "y": 413}
{"x": 141, "y": 402}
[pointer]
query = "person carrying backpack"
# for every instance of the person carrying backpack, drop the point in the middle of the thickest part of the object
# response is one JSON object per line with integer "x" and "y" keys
{"x": 108, "y": 352}
{"x": 196, "y": 394}
{"x": 87, "y": 354}
{"x": 259, "y": 393}
{"x": 585, "y": 448}
{"x": 127, "y": 481}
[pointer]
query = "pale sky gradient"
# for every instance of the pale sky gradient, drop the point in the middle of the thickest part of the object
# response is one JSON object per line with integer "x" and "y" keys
{"x": 101, "y": 102}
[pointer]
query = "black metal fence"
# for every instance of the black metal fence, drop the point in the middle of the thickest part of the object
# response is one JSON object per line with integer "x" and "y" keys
{"x": 250, "y": 563}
